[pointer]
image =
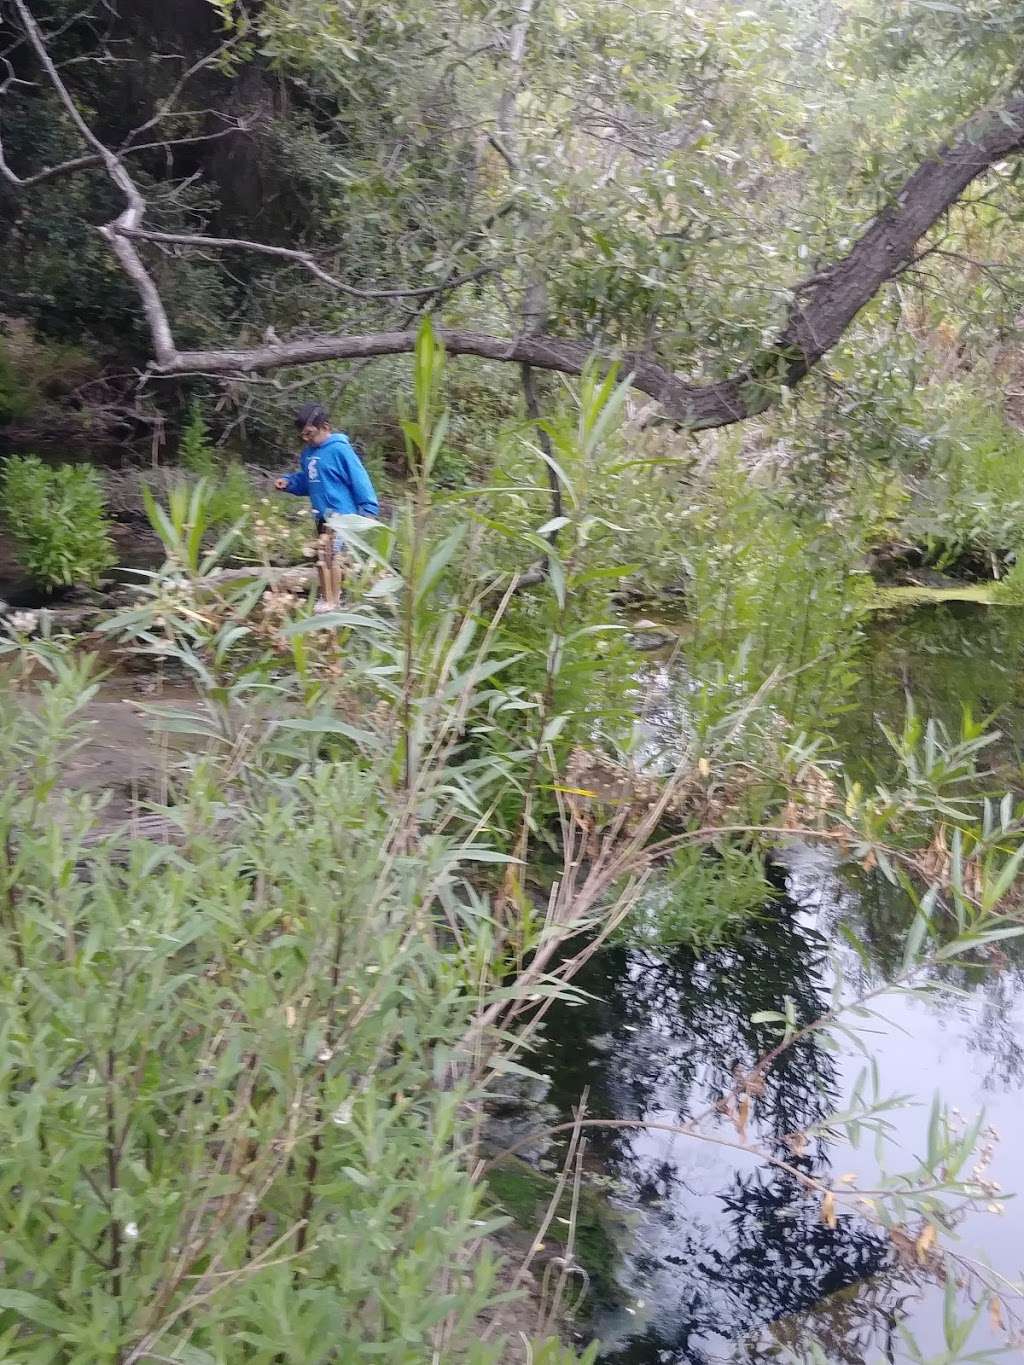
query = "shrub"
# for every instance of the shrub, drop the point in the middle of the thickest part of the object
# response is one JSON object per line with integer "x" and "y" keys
{"x": 227, "y": 480}
{"x": 972, "y": 507}
{"x": 37, "y": 376}
{"x": 57, "y": 520}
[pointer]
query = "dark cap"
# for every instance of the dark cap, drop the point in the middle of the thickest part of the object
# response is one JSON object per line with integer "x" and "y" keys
{"x": 311, "y": 415}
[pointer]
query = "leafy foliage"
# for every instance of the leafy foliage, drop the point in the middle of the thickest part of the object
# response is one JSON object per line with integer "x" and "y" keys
{"x": 701, "y": 900}
{"x": 973, "y": 497}
{"x": 229, "y": 490}
{"x": 56, "y": 518}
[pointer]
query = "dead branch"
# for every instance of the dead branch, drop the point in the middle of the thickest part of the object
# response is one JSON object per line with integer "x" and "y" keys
{"x": 166, "y": 106}
{"x": 307, "y": 261}
{"x": 83, "y": 163}
{"x": 114, "y": 233}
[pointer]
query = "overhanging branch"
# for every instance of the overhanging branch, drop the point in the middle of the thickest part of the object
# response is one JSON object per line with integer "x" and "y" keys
{"x": 308, "y": 262}
{"x": 820, "y": 313}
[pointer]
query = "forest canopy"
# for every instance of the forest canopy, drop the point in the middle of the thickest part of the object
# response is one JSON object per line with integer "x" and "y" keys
{"x": 712, "y": 195}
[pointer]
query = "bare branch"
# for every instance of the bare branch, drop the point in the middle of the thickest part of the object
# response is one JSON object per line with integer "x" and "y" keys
{"x": 81, "y": 163}
{"x": 307, "y": 261}
{"x": 166, "y": 105}
{"x": 114, "y": 233}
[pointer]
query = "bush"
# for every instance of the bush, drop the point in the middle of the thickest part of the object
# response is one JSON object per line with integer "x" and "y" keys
{"x": 972, "y": 507}
{"x": 56, "y": 516}
{"x": 228, "y": 481}
{"x": 36, "y": 377}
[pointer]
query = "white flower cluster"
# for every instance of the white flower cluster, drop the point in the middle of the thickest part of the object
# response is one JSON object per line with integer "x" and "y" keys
{"x": 23, "y": 622}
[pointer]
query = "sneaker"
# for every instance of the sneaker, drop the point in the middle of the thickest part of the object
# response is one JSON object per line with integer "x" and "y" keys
{"x": 323, "y": 607}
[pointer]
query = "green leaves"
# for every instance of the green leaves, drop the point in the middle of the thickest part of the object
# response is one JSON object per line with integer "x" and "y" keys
{"x": 33, "y": 1309}
{"x": 57, "y": 518}
{"x": 184, "y": 1008}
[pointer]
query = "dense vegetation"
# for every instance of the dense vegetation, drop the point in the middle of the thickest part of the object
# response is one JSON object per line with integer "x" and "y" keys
{"x": 254, "y": 1028}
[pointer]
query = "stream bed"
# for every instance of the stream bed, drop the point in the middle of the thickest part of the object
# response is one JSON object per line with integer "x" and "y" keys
{"x": 723, "y": 1257}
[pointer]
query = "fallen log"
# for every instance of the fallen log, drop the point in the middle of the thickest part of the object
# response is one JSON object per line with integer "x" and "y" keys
{"x": 275, "y": 576}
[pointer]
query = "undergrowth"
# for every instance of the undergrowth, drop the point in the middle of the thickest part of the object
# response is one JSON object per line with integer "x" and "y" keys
{"x": 57, "y": 519}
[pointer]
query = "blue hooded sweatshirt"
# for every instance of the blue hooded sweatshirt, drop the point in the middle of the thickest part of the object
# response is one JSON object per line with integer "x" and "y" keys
{"x": 335, "y": 479}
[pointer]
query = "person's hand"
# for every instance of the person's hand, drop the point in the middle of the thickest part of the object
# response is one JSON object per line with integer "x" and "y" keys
{"x": 280, "y": 485}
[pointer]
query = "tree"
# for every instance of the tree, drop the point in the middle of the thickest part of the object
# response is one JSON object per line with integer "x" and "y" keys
{"x": 820, "y": 308}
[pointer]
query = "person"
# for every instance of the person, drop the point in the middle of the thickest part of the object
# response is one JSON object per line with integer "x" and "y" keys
{"x": 335, "y": 480}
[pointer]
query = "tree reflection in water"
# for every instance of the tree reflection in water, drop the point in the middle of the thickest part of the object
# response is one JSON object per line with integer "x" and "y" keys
{"x": 731, "y": 1260}
{"x": 719, "y": 1251}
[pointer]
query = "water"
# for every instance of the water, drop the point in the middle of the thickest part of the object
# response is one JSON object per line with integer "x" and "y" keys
{"x": 727, "y": 1260}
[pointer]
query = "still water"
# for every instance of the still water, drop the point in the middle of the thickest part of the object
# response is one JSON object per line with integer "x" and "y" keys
{"x": 722, "y": 1257}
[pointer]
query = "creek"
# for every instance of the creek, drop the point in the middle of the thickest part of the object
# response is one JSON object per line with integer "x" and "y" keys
{"x": 722, "y": 1258}
{"x": 717, "y": 1257}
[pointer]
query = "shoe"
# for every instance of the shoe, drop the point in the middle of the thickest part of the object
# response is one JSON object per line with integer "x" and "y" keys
{"x": 323, "y": 607}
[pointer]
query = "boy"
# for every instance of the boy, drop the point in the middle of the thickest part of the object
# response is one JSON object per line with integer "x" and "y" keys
{"x": 336, "y": 481}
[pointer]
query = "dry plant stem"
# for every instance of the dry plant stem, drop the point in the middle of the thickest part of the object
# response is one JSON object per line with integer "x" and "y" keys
{"x": 317, "y": 1140}
{"x": 554, "y": 1202}
{"x": 206, "y": 1291}
{"x": 569, "y": 1265}
{"x": 686, "y": 1130}
{"x": 275, "y": 1157}
{"x": 114, "y": 1147}
{"x": 614, "y": 861}
{"x": 194, "y": 1243}
{"x": 10, "y": 903}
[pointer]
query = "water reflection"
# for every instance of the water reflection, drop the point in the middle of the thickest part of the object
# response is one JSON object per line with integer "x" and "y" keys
{"x": 721, "y": 1248}
{"x": 667, "y": 1035}
{"x": 770, "y": 1260}
{"x": 945, "y": 657}
{"x": 729, "y": 1261}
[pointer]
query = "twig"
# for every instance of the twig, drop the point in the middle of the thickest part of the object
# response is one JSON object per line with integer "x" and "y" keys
{"x": 307, "y": 261}
{"x": 80, "y": 163}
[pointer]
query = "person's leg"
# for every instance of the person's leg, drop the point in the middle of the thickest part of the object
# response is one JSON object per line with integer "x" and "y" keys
{"x": 324, "y": 557}
{"x": 335, "y": 572}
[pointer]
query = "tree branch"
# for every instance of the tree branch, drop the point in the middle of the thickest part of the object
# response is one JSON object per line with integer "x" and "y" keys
{"x": 114, "y": 233}
{"x": 818, "y": 317}
{"x": 82, "y": 163}
{"x": 307, "y": 261}
{"x": 819, "y": 314}
{"x": 166, "y": 105}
